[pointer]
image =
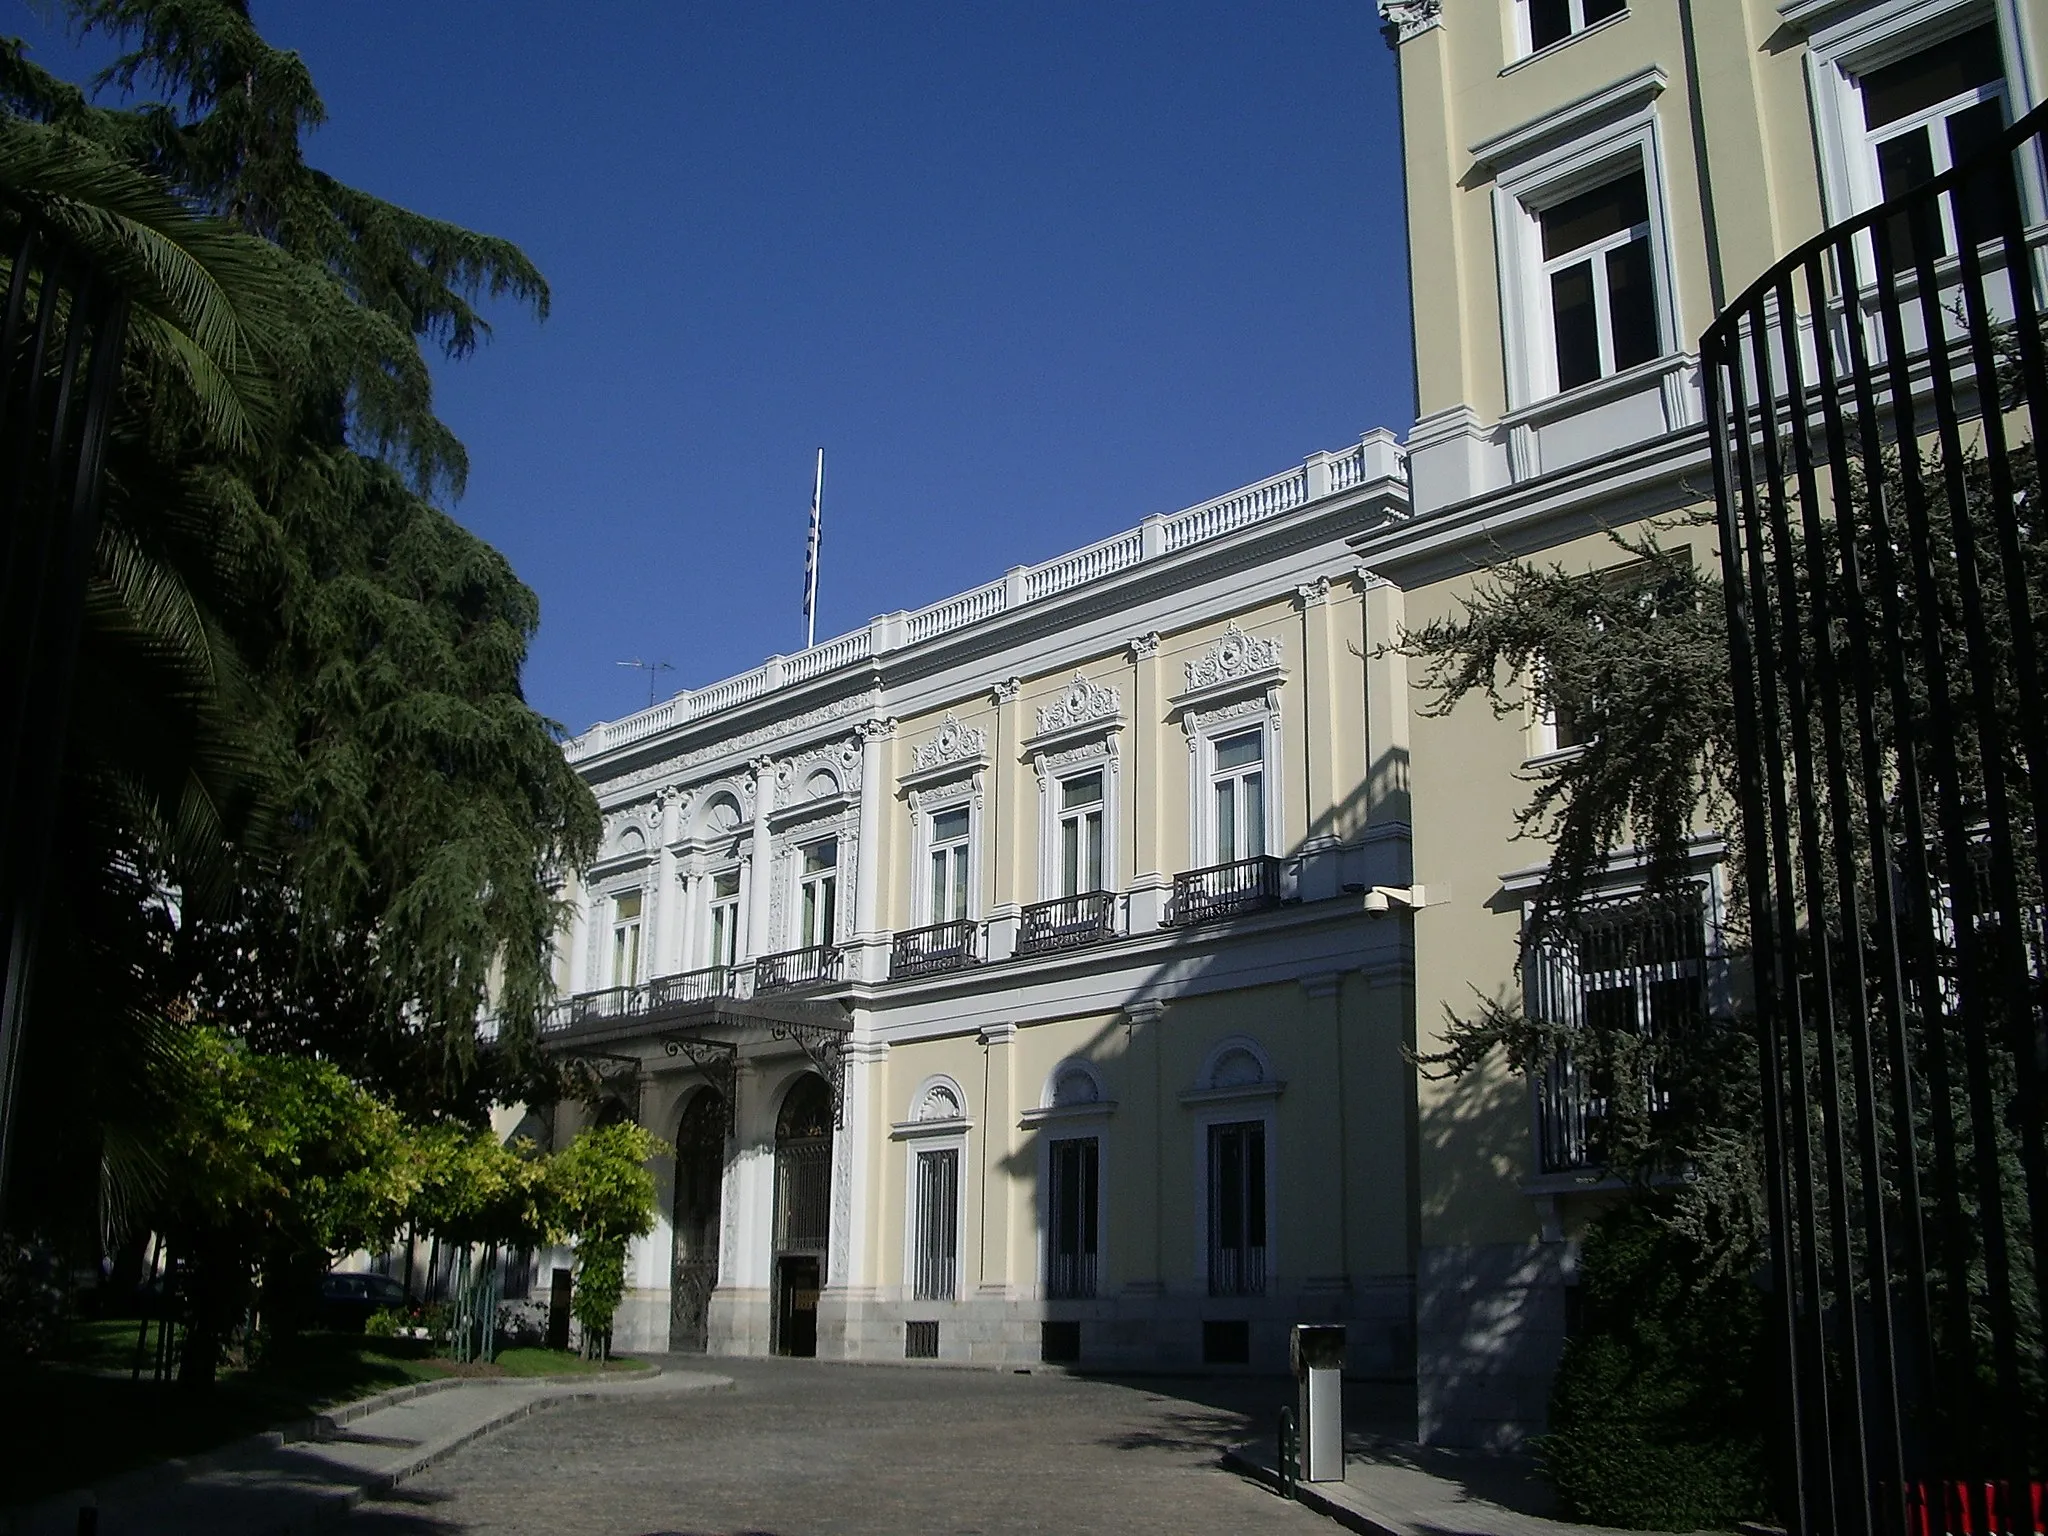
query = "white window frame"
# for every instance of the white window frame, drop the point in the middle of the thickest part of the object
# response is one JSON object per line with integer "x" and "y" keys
{"x": 1054, "y": 769}
{"x": 802, "y": 881}
{"x": 1229, "y": 1105}
{"x": 1527, "y": 182}
{"x": 1265, "y": 722}
{"x": 1522, "y": 35}
{"x": 964, "y": 790}
{"x": 931, "y": 1129}
{"x": 959, "y": 855}
{"x": 1884, "y": 33}
{"x": 738, "y": 904}
{"x": 617, "y": 927}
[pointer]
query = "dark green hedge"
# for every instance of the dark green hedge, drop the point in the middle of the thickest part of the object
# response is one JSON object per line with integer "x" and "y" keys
{"x": 1658, "y": 1412}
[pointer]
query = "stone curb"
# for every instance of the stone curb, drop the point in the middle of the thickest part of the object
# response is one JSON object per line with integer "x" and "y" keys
{"x": 173, "y": 1470}
{"x": 1240, "y": 1459}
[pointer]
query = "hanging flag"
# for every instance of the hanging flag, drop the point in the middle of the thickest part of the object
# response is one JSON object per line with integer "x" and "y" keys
{"x": 811, "y": 558}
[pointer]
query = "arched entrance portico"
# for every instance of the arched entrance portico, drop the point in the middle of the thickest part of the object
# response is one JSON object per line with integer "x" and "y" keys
{"x": 700, "y": 1182}
{"x": 803, "y": 1212}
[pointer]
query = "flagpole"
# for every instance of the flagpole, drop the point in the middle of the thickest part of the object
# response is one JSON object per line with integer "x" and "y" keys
{"x": 811, "y": 558}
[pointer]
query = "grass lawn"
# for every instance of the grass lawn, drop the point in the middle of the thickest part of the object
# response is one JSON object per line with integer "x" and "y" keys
{"x": 88, "y": 1425}
{"x": 556, "y": 1362}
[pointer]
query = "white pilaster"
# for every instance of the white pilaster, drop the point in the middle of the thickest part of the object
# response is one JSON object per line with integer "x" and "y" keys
{"x": 759, "y": 940}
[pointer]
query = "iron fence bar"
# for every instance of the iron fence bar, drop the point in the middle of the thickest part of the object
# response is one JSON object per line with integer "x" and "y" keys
{"x": 1889, "y": 994}
{"x": 1917, "y": 886}
{"x": 1956, "y": 841}
{"x": 2021, "y": 1009}
{"x": 1750, "y": 668}
{"x": 1885, "y": 1443}
{"x": 1814, "y": 973}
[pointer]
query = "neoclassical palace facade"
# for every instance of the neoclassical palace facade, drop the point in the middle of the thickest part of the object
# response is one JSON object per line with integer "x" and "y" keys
{"x": 1032, "y": 977}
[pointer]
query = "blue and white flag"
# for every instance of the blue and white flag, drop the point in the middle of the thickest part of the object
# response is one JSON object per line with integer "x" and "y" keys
{"x": 811, "y": 559}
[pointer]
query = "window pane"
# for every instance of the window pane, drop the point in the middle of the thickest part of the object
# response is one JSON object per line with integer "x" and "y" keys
{"x": 1632, "y": 304}
{"x": 1932, "y": 76}
{"x": 1983, "y": 199}
{"x": 1579, "y": 221}
{"x": 1070, "y": 856}
{"x": 1240, "y": 751}
{"x": 1576, "y": 326}
{"x": 627, "y": 905}
{"x": 1086, "y": 790}
{"x": 1093, "y": 839}
{"x": 1226, "y": 822}
{"x": 941, "y": 860}
{"x": 959, "y": 884}
{"x": 1600, "y": 10}
{"x": 949, "y": 825}
{"x": 726, "y": 884}
{"x": 821, "y": 856}
{"x": 1550, "y": 21}
{"x": 1906, "y": 161}
{"x": 1254, "y": 815}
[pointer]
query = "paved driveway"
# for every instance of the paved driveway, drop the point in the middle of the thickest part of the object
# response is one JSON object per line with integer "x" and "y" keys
{"x": 799, "y": 1447}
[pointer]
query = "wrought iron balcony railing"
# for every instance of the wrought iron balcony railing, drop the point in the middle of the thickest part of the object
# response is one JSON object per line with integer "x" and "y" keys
{"x": 816, "y": 966}
{"x": 1067, "y": 922}
{"x": 928, "y": 951}
{"x": 1224, "y": 890}
{"x": 663, "y": 992}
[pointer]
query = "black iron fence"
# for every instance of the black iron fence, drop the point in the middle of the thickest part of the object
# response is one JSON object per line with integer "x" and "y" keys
{"x": 1875, "y": 403}
{"x": 816, "y": 966}
{"x": 1224, "y": 890}
{"x": 1067, "y": 922}
{"x": 928, "y": 951}
{"x": 60, "y": 366}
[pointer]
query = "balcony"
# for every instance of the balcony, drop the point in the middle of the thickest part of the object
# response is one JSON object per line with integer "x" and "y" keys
{"x": 664, "y": 994}
{"x": 796, "y": 969}
{"x": 929, "y": 951}
{"x": 1224, "y": 890}
{"x": 1069, "y": 922}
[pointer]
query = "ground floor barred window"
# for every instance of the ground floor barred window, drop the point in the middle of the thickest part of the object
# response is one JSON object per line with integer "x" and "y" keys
{"x": 1072, "y": 1238}
{"x": 1237, "y": 1209}
{"x": 936, "y": 1233}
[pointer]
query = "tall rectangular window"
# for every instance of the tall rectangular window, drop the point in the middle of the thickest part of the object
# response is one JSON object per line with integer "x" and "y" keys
{"x": 1929, "y": 112}
{"x": 1081, "y": 834}
{"x": 949, "y": 846}
{"x": 1072, "y": 1240}
{"x": 725, "y": 918}
{"x": 1237, "y": 1209}
{"x": 935, "y": 1254}
{"x": 1599, "y": 280}
{"x": 1238, "y": 787}
{"x": 820, "y": 893}
{"x": 626, "y": 939}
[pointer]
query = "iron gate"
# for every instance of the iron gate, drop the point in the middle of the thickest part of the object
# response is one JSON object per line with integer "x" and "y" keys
{"x": 1874, "y": 403}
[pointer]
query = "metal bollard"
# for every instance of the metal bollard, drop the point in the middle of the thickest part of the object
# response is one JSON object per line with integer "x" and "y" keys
{"x": 1290, "y": 1473}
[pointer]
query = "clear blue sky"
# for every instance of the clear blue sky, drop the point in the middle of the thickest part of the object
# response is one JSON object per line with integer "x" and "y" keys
{"x": 1027, "y": 271}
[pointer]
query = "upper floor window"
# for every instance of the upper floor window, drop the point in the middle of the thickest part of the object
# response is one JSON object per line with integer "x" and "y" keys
{"x": 626, "y": 939}
{"x": 949, "y": 848}
{"x": 1546, "y": 22}
{"x": 1237, "y": 787}
{"x": 1599, "y": 280}
{"x": 1081, "y": 834}
{"x": 1925, "y": 114}
{"x": 819, "y": 894}
{"x": 725, "y": 918}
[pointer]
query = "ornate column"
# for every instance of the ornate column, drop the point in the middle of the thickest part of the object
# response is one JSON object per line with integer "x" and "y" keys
{"x": 1009, "y": 839}
{"x": 664, "y": 955}
{"x": 761, "y": 855}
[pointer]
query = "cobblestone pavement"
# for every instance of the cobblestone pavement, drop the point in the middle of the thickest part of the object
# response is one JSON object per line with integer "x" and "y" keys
{"x": 799, "y": 1447}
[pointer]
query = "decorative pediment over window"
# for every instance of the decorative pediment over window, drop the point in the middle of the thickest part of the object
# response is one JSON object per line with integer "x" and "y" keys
{"x": 1083, "y": 704}
{"x": 938, "y": 1108}
{"x": 829, "y": 772}
{"x": 1235, "y": 665}
{"x": 955, "y": 751}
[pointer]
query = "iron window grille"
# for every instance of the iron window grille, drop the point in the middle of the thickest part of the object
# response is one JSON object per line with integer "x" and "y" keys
{"x": 1237, "y": 1209}
{"x": 935, "y": 1271}
{"x": 1073, "y": 1238}
{"x": 1634, "y": 965}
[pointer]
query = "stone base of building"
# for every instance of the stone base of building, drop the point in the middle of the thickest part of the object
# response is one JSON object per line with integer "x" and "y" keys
{"x": 1489, "y": 1332}
{"x": 1143, "y": 1329}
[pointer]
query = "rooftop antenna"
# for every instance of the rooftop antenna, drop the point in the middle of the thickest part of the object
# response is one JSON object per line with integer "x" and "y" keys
{"x": 653, "y": 669}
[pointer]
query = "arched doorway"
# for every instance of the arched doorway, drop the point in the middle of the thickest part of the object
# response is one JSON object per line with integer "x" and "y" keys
{"x": 700, "y": 1182}
{"x": 803, "y": 1212}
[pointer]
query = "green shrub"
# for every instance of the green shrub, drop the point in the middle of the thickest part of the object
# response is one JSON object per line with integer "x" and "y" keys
{"x": 1658, "y": 1412}
{"x": 384, "y": 1323}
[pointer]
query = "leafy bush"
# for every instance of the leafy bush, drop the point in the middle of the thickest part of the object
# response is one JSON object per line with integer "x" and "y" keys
{"x": 385, "y": 1323}
{"x": 34, "y": 1307}
{"x": 1658, "y": 1411}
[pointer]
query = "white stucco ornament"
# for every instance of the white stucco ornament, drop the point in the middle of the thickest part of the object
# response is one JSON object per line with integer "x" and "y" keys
{"x": 1237, "y": 655}
{"x": 954, "y": 743}
{"x": 1408, "y": 18}
{"x": 1083, "y": 703}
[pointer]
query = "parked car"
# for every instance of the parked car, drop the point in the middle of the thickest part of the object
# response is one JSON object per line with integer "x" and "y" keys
{"x": 348, "y": 1297}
